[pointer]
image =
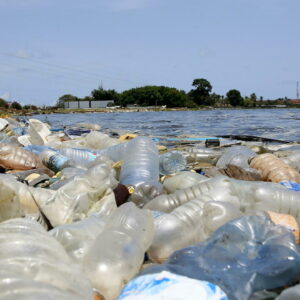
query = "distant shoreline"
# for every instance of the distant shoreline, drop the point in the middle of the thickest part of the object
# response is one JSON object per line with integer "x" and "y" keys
{"x": 10, "y": 112}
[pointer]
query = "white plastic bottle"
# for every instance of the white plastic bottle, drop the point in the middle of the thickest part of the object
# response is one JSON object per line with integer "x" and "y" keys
{"x": 118, "y": 252}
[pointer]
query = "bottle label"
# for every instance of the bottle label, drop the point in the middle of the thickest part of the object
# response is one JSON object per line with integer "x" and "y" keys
{"x": 169, "y": 286}
{"x": 56, "y": 162}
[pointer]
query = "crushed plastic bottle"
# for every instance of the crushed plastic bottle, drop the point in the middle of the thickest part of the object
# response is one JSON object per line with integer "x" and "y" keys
{"x": 172, "y": 162}
{"x": 251, "y": 251}
{"x": 237, "y": 155}
{"x": 127, "y": 235}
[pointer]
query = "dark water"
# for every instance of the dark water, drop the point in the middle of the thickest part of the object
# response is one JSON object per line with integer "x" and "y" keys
{"x": 281, "y": 124}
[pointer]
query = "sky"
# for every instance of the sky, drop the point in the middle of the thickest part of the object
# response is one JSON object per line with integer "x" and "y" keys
{"x": 49, "y": 48}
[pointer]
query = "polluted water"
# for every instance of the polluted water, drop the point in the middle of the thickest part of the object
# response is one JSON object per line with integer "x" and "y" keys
{"x": 94, "y": 214}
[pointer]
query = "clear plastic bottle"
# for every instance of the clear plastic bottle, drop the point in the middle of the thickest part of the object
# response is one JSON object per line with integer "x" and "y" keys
{"x": 243, "y": 256}
{"x": 293, "y": 160}
{"x": 80, "y": 157}
{"x": 77, "y": 237}
{"x": 202, "y": 155}
{"x": 31, "y": 262}
{"x": 188, "y": 224}
{"x": 55, "y": 161}
{"x": 140, "y": 162}
{"x": 274, "y": 169}
{"x": 182, "y": 180}
{"x": 13, "y": 157}
{"x": 118, "y": 252}
{"x": 99, "y": 140}
{"x": 172, "y": 162}
{"x": 215, "y": 189}
{"x": 237, "y": 155}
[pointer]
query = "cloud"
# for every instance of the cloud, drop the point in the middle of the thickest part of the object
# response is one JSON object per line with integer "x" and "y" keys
{"x": 120, "y": 5}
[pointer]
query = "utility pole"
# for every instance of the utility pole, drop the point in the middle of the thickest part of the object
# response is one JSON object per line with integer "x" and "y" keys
{"x": 297, "y": 91}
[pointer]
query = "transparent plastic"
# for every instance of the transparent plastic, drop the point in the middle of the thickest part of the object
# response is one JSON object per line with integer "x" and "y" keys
{"x": 293, "y": 160}
{"x": 182, "y": 180}
{"x": 188, "y": 224}
{"x": 99, "y": 140}
{"x": 77, "y": 237}
{"x": 80, "y": 157}
{"x": 140, "y": 162}
{"x": 274, "y": 169}
{"x": 202, "y": 155}
{"x": 13, "y": 157}
{"x": 31, "y": 262}
{"x": 118, "y": 252}
{"x": 214, "y": 189}
{"x": 172, "y": 162}
{"x": 237, "y": 155}
{"x": 38, "y": 132}
{"x": 243, "y": 256}
{"x": 78, "y": 198}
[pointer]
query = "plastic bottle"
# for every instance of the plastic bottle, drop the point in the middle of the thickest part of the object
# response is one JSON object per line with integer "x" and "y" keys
{"x": 274, "y": 169}
{"x": 13, "y": 157}
{"x": 118, "y": 252}
{"x": 241, "y": 257}
{"x": 55, "y": 161}
{"x": 99, "y": 140}
{"x": 293, "y": 160}
{"x": 31, "y": 262}
{"x": 140, "y": 162}
{"x": 182, "y": 180}
{"x": 80, "y": 157}
{"x": 237, "y": 155}
{"x": 188, "y": 224}
{"x": 215, "y": 189}
{"x": 77, "y": 237}
{"x": 78, "y": 198}
{"x": 172, "y": 162}
{"x": 202, "y": 155}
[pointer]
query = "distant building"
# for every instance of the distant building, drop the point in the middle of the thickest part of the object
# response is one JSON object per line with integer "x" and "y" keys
{"x": 87, "y": 104}
{"x": 295, "y": 101}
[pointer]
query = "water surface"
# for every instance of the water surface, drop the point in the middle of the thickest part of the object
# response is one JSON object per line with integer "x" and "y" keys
{"x": 270, "y": 123}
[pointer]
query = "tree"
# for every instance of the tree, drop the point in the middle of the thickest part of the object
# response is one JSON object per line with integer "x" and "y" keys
{"x": 102, "y": 94}
{"x": 29, "y": 106}
{"x": 65, "y": 98}
{"x": 234, "y": 97}
{"x": 3, "y": 103}
{"x": 154, "y": 96}
{"x": 201, "y": 92}
{"x": 16, "y": 105}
